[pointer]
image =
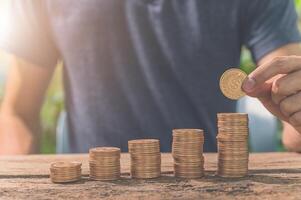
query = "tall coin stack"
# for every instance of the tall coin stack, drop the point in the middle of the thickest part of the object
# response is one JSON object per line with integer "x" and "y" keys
{"x": 232, "y": 139}
{"x": 104, "y": 163}
{"x": 145, "y": 158}
{"x": 187, "y": 152}
{"x": 65, "y": 172}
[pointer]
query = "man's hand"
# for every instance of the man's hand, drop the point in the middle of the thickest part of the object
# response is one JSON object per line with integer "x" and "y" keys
{"x": 277, "y": 84}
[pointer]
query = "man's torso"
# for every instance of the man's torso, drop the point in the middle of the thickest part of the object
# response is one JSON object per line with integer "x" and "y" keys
{"x": 139, "y": 68}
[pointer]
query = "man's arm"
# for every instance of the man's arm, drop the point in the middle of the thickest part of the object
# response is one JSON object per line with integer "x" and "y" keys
{"x": 291, "y": 137}
{"x": 20, "y": 109}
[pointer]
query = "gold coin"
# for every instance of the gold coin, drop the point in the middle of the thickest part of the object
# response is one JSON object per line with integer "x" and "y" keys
{"x": 64, "y": 164}
{"x": 143, "y": 142}
{"x": 231, "y": 82}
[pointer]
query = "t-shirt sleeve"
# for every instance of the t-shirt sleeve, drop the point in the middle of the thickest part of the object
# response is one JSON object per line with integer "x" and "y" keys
{"x": 28, "y": 34}
{"x": 268, "y": 25}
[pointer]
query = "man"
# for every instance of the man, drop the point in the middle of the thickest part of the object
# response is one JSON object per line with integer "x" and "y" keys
{"x": 139, "y": 68}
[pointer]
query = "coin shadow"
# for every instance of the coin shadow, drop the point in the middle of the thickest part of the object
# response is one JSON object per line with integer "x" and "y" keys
{"x": 83, "y": 180}
{"x": 211, "y": 176}
{"x": 164, "y": 178}
{"x": 266, "y": 176}
{"x": 274, "y": 171}
{"x": 270, "y": 176}
{"x": 273, "y": 176}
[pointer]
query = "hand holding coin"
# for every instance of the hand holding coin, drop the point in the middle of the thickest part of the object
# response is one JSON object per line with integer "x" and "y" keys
{"x": 277, "y": 84}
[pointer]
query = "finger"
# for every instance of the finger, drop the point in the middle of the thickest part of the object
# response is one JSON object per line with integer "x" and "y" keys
{"x": 279, "y": 65}
{"x": 288, "y": 84}
{"x": 295, "y": 119}
{"x": 276, "y": 98}
{"x": 291, "y": 105}
{"x": 271, "y": 106}
{"x": 262, "y": 92}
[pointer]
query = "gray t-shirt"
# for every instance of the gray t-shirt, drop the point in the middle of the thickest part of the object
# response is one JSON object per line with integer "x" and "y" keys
{"x": 139, "y": 68}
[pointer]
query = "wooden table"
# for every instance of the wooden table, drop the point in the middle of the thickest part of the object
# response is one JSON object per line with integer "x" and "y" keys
{"x": 272, "y": 176}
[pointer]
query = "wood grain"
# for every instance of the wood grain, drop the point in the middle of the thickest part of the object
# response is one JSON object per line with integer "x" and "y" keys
{"x": 272, "y": 176}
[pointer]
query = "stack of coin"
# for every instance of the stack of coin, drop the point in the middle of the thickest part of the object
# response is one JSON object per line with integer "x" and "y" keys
{"x": 232, "y": 138}
{"x": 65, "y": 172}
{"x": 104, "y": 163}
{"x": 145, "y": 158}
{"x": 187, "y": 152}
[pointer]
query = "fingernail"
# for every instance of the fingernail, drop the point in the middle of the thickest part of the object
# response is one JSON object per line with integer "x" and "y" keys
{"x": 249, "y": 84}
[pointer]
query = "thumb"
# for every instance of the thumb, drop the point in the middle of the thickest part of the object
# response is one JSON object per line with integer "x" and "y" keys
{"x": 262, "y": 91}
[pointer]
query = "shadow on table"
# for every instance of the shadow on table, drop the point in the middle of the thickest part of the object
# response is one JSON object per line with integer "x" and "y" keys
{"x": 266, "y": 176}
{"x": 270, "y": 176}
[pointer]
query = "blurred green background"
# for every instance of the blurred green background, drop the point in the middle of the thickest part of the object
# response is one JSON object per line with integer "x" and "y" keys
{"x": 54, "y": 102}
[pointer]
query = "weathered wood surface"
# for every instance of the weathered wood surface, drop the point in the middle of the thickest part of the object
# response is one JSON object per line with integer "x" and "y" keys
{"x": 272, "y": 176}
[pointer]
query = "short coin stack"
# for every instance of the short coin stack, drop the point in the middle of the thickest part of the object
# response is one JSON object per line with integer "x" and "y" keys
{"x": 145, "y": 158}
{"x": 65, "y": 172}
{"x": 187, "y": 152}
{"x": 232, "y": 138}
{"x": 104, "y": 163}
